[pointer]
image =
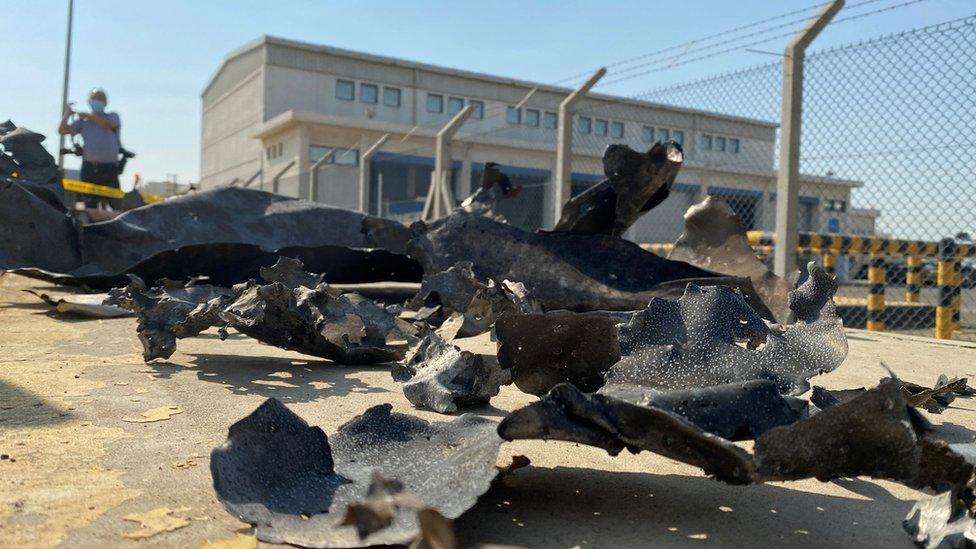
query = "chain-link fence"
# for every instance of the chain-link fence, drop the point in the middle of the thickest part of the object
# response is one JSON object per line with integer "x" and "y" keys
{"x": 888, "y": 143}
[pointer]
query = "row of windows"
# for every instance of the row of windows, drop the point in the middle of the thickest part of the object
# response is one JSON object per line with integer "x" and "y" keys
{"x": 342, "y": 157}
{"x": 599, "y": 126}
{"x": 719, "y": 143}
{"x": 274, "y": 151}
{"x": 435, "y": 104}
{"x": 835, "y": 205}
{"x": 649, "y": 135}
{"x": 368, "y": 93}
{"x": 532, "y": 118}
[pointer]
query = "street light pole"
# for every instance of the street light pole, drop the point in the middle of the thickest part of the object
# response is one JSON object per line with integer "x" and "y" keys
{"x": 64, "y": 85}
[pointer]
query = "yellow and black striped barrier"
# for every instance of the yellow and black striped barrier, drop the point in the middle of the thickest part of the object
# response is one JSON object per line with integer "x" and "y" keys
{"x": 92, "y": 189}
{"x": 947, "y": 252}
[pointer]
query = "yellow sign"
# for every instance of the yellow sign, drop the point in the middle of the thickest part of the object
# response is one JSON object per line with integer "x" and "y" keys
{"x": 100, "y": 190}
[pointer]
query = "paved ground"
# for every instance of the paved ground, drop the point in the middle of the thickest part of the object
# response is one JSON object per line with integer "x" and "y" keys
{"x": 76, "y": 468}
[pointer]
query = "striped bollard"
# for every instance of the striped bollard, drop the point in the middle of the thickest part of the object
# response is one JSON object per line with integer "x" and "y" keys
{"x": 913, "y": 278}
{"x": 830, "y": 263}
{"x": 876, "y": 292}
{"x": 946, "y": 279}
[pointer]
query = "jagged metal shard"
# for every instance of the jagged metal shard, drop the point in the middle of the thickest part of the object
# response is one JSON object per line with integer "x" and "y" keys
{"x": 167, "y": 313}
{"x": 937, "y": 398}
{"x": 714, "y": 239}
{"x": 691, "y": 342}
{"x": 544, "y": 350}
{"x": 941, "y": 521}
{"x": 225, "y": 234}
{"x": 636, "y": 182}
{"x": 442, "y": 377}
{"x": 612, "y": 274}
{"x": 568, "y": 414}
{"x": 88, "y": 305}
{"x": 276, "y": 472}
{"x": 25, "y": 161}
{"x": 347, "y": 329}
{"x": 457, "y": 290}
{"x": 735, "y": 411}
{"x": 290, "y": 272}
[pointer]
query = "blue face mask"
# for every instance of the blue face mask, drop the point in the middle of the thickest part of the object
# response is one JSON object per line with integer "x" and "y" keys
{"x": 97, "y": 105}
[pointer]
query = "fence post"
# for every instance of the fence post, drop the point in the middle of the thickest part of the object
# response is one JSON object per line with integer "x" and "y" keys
{"x": 440, "y": 199}
{"x": 946, "y": 279}
{"x": 313, "y": 193}
{"x": 876, "y": 290}
{"x": 788, "y": 180}
{"x": 563, "y": 188}
{"x": 913, "y": 278}
{"x": 364, "y": 167}
{"x": 274, "y": 180}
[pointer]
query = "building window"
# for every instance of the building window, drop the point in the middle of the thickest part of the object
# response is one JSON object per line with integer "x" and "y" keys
{"x": 600, "y": 127}
{"x": 368, "y": 93}
{"x": 617, "y": 130}
{"x": 345, "y": 90}
{"x": 550, "y": 120}
{"x": 706, "y": 142}
{"x": 454, "y": 105}
{"x": 532, "y": 118}
{"x": 391, "y": 97}
{"x": 663, "y": 134}
{"x": 281, "y": 148}
{"x": 647, "y": 134}
{"x": 679, "y": 137}
{"x": 585, "y": 125}
{"x": 733, "y": 145}
{"x": 267, "y": 153}
{"x": 342, "y": 157}
{"x": 435, "y": 102}
{"x": 834, "y": 205}
{"x": 720, "y": 144}
{"x": 477, "y": 109}
{"x": 513, "y": 115}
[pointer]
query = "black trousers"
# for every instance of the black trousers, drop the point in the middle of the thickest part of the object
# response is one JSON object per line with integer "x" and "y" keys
{"x": 106, "y": 174}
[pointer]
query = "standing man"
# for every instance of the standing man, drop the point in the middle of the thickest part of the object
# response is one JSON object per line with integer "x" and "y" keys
{"x": 100, "y": 131}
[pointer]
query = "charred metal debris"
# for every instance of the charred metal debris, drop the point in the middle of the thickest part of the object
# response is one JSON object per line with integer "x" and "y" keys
{"x": 683, "y": 356}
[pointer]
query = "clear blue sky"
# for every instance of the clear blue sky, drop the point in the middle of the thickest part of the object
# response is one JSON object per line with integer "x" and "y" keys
{"x": 153, "y": 58}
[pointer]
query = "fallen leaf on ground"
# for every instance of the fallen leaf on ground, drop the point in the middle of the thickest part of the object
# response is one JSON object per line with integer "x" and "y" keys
{"x": 156, "y": 414}
{"x": 155, "y": 522}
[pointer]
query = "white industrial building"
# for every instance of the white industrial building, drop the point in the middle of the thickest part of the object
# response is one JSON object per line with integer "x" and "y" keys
{"x": 275, "y": 106}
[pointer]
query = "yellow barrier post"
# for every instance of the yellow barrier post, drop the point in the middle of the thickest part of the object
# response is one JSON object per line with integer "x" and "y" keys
{"x": 830, "y": 263}
{"x": 913, "y": 278}
{"x": 876, "y": 290}
{"x": 956, "y": 299}
{"x": 945, "y": 278}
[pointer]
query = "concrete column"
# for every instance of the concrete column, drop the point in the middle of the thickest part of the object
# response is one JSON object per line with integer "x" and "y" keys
{"x": 788, "y": 180}
{"x": 465, "y": 187}
{"x": 364, "y": 161}
{"x": 303, "y": 161}
{"x": 563, "y": 183}
{"x": 440, "y": 199}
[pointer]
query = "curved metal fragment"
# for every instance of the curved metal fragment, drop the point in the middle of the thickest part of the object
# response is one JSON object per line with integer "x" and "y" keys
{"x": 278, "y": 475}
{"x": 568, "y": 414}
{"x": 941, "y": 521}
{"x": 544, "y": 350}
{"x": 691, "y": 342}
{"x": 714, "y": 239}
{"x": 636, "y": 182}
{"x": 442, "y": 377}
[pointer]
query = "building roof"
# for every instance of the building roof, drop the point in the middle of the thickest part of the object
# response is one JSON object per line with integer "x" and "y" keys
{"x": 392, "y": 61}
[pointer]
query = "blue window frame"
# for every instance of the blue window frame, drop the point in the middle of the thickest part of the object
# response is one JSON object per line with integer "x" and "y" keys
{"x": 369, "y": 93}
{"x": 391, "y": 97}
{"x": 435, "y": 103}
{"x": 345, "y": 90}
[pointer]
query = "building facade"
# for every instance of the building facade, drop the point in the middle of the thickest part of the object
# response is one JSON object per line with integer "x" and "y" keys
{"x": 275, "y": 107}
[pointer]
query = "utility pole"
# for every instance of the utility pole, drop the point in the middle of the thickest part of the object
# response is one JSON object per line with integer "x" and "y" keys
{"x": 440, "y": 199}
{"x": 64, "y": 84}
{"x": 563, "y": 188}
{"x": 364, "y": 172}
{"x": 788, "y": 179}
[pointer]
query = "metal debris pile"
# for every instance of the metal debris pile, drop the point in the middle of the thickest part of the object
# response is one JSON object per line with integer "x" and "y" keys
{"x": 686, "y": 356}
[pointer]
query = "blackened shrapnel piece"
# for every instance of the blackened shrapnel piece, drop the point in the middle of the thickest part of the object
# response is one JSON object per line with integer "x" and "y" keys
{"x": 941, "y": 521}
{"x": 277, "y": 473}
{"x": 714, "y": 239}
{"x": 290, "y": 272}
{"x": 734, "y": 411}
{"x": 636, "y": 182}
{"x": 347, "y": 329}
{"x": 870, "y": 434}
{"x": 443, "y": 378}
{"x": 568, "y": 414}
{"x": 169, "y": 313}
{"x": 691, "y": 342}
{"x": 25, "y": 161}
{"x": 937, "y": 398}
{"x": 495, "y": 185}
{"x": 544, "y": 350}
{"x": 612, "y": 274}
